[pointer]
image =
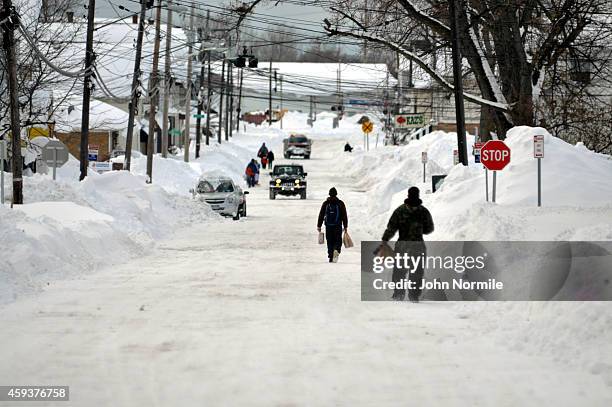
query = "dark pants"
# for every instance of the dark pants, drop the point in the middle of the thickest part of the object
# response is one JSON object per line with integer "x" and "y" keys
{"x": 250, "y": 181}
{"x": 333, "y": 235}
{"x": 415, "y": 278}
{"x": 270, "y": 164}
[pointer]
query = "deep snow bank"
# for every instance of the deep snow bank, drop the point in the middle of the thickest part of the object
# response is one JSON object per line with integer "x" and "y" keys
{"x": 577, "y": 193}
{"x": 67, "y": 228}
{"x": 577, "y": 199}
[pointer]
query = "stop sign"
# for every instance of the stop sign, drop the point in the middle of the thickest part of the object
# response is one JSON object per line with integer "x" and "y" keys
{"x": 495, "y": 155}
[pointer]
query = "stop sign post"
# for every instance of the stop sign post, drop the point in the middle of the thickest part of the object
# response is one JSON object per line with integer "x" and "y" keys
{"x": 494, "y": 156}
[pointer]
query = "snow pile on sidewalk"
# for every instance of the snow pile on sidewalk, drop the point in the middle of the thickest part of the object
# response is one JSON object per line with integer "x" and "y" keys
{"x": 577, "y": 205}
{"x": 67, "y": 228}
{"x": 576, "y": 192}
{"x": 576, "y": 334}
{"x": 228, "y": 159}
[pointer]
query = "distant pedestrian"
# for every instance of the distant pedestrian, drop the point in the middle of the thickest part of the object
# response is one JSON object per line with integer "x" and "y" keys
{"x": 270, "y": 159}
{"x": 263, "y": 152}
{"x": 257, "y": 167}
{"x": 250, "y": 172}
{"x": 333, "y": 214}
{"x": 412, "y": 221}
{"x": 348, "y": 148}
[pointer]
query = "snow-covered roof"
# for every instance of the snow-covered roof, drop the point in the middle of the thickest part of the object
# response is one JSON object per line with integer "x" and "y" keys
{"x": 316, "y": 78}
{"x": 102, "y": 117}
{"x": 115, "y": 49}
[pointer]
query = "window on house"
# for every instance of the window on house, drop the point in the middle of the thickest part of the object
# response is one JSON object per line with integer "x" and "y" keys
{"x": 580, "y": 70}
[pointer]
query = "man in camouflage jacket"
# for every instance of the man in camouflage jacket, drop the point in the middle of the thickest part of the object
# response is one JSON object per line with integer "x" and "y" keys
{"x": 412, "y": 221}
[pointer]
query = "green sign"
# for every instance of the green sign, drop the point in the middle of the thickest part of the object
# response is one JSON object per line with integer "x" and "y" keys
{"x": 175, "y": 132}
{"x": 199, "y": 116}
{"x": 409, "y": 121}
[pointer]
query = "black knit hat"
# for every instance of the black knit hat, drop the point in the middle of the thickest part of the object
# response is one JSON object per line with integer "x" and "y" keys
{"x": 333, "y": 192}
{"x": 413, "y": 197}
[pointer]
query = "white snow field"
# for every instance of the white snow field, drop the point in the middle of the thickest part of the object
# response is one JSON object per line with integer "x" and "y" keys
{"x": 206, "y": 311}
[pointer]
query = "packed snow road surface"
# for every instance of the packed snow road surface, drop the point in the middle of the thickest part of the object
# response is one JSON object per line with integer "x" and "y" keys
{"x": 251, "y": 313}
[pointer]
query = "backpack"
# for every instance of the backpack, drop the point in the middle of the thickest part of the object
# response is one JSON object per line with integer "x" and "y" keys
{"x": 332, "y": 214}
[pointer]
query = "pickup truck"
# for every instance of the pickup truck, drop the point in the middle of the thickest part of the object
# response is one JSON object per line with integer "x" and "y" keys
{"x": 297, "y": 145}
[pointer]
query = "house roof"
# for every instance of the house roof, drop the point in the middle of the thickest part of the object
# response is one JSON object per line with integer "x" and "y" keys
{"x": 102, "y": 117}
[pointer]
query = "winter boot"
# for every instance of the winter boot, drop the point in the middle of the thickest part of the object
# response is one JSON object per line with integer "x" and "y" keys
{"x": 336, "y": 255}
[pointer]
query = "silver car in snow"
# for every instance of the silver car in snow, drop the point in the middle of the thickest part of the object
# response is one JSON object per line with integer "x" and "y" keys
{"x": 223, "y": 196}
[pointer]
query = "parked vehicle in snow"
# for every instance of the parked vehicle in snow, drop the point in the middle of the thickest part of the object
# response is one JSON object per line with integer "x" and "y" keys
{"x": 297, "y": 145}
{"x": 288, "y": 180}
{"x": 223, "y": 196}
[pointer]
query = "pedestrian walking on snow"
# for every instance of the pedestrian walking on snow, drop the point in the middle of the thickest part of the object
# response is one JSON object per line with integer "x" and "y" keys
{"x": 250, "y": 172}
{"x": 262, "y": 154}
{"x": 412, "y": 220}
{"x": 270, "y": 159}
{"x": 333, "y": 214}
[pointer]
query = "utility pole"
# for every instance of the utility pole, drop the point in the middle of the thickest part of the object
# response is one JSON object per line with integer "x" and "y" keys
{"x": 230, "y": 116}
{"x": 281, "y": 102}
{"x": 135, "y": 82}
{"x": 8, "y": 44}
{"x": 167, "y": 76}
{"x": 270, "y": 97}
{"x": 228, "y": 95}
{"x": 89, "y": 61}
{"x": 200, "y": 98}
{"x": 239, "y": 108}
{"x": 154, "y": 86}
{"x": 187, "y": 137}
{"x": 454, "y": 6}
{"x": 222, "y": 91}
{"x": 208, "y": 101}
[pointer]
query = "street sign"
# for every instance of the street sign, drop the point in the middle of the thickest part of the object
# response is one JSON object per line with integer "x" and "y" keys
{"x": 199, "y": 116}
{"x": 495, "y": 155}
{"x": 3, "y": 157}
{"x": 424, "y": 156}
{"x": 3, "y": 150}
{"x": 101, "y": 166}
{"x": 538, "y": 146}
{"x": 55, "y": 154}
{"x": 361, "y": 102}
{"x": 367, "y": 127}
{"x": 455, "y": 157}
{"x": 538, "y": 152}
{"x": 476, "y": 151}
{"x": 409, "y": 121}
{"x": 92, "y": 152}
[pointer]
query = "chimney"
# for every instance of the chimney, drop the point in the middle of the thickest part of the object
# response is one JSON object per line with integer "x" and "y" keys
{"x": 134, "y": 19}
{"x": 70, "y": 16}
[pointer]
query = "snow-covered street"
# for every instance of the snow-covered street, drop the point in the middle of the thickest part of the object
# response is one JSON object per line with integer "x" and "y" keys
{"x": 251, "y": 313}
